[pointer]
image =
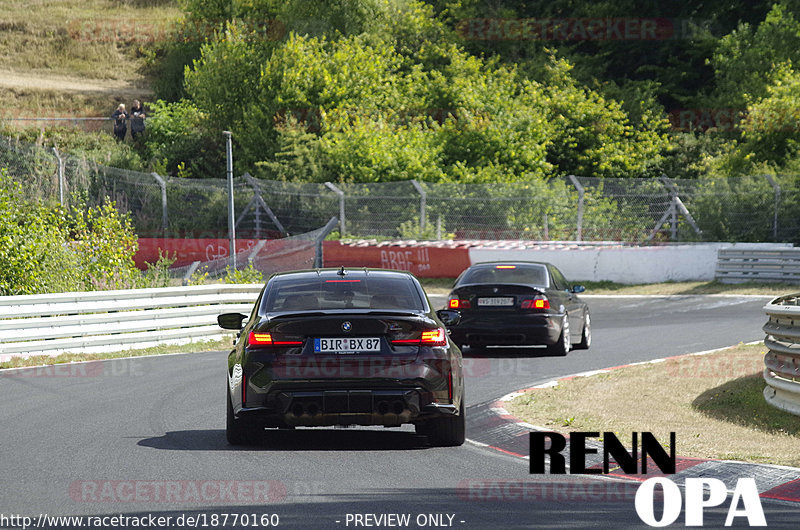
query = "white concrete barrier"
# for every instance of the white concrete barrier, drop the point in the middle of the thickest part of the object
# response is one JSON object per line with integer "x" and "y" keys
{"x": 623, "y": 264}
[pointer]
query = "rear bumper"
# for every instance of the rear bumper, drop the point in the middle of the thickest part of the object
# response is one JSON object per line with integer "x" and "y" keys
{"x": 387, "y": 407}
{"x": 508, "y": 330}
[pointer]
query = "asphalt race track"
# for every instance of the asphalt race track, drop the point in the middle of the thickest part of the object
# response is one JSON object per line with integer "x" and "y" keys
{"x": 146, "y": 436}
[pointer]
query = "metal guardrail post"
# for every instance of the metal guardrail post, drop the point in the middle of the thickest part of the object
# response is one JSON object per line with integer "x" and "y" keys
{"x": 164, "y": 217}
{"x": 60, "y": 177}
{"x": 777, "y": 190}
{"x": 340, "y": 193}
{"x": 423, "y": 198}
{"x": 581, "y": 194}
{"x": 782, "y": 362}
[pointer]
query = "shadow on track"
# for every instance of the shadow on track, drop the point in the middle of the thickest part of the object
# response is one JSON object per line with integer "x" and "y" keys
{"x": 291, "y": 440}
{"x": 536, "y": 502}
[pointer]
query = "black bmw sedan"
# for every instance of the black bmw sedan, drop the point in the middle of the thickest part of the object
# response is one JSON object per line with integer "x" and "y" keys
{"x": 519, "y": 303}
{"x": 344, "y": 347}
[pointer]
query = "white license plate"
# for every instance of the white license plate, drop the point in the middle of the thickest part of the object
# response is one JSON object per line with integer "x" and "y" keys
{"x": 502, "y": 301}
{"x": 343, "y": 345}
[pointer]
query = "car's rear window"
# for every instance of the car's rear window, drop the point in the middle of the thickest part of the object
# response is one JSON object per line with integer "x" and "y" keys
{"x": 320, "y": 293}
{"x": 516, "y": 274}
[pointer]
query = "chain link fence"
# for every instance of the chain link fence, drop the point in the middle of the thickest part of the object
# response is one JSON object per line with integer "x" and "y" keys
{"x": 756, "y": 208}
{"x": 303, "y": 251}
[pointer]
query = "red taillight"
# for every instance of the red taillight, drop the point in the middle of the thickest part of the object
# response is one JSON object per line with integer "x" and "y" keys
{"x": 262, "y": 340}
{"x": 259, "y": 339}
{"x": 429, "y": 337}
{"x": 455, "y": 303}
{"x": 538, "y": 303}
{"x": 434, "y": 337}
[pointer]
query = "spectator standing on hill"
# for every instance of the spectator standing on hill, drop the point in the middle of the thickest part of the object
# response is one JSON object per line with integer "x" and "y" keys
{"x": 137, "y": 119}
{"x": 120, "y": 126}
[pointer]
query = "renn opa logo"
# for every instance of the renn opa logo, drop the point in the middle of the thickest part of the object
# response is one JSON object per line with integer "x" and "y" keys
{"x": 700, "y": 493}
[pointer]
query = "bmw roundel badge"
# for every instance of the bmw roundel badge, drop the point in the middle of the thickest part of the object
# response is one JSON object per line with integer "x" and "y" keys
{"x": 346, "y": 326}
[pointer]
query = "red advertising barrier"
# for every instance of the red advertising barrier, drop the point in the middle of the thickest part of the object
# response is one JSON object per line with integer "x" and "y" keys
{"x": 426, "y": 260}
{"x": 186, "y": 251}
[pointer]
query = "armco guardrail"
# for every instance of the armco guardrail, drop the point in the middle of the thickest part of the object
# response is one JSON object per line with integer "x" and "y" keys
{"x": 98, "y": 321}
{"x": 782, "y": 362}
{"x": 741, "y": 265}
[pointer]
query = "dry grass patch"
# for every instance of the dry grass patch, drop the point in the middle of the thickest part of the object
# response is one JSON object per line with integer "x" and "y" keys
{"x": 98, "y": 47}
{"x": 443, "y": 286}
{"x": 713, "y": 402}
{"x": 691, "y": 288}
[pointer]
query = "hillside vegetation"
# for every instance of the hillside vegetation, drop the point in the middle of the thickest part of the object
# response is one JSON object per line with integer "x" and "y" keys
{"x": 78, "y": 57}
{"x": 442, "y": 91}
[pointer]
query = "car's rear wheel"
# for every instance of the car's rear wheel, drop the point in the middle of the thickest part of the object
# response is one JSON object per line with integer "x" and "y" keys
{"x": 239, "y": 431}
{"x": 448, "y": 431}
{"x": 586, "y": 336}
{"x": 563, "y": 344}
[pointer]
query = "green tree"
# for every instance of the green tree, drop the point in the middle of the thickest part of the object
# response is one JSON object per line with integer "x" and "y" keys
{"x": 749, "y": 59}
{"x": 179, "y": 136}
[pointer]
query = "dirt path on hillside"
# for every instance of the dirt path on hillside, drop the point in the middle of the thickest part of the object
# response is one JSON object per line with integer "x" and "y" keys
{"x": 37, "y": 81}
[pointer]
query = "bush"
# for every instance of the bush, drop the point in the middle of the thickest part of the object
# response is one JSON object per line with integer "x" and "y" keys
{"x": 157, "y": 274}
{"x": 46, "y": 248}
{"x": 99, "y": 147}
{"x": 248, "y": 274}
{"x": 177, "y": 137}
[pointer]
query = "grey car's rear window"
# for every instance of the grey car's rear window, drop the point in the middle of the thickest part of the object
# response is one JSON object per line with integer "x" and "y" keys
{"x": 516, "y": 274}
{"x": 320, "y": 293}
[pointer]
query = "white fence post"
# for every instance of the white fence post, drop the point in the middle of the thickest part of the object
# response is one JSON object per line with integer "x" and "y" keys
{"x": 423, "y": 197}
{"x": 164, "y": 215}
{"x": 581, "y": 192}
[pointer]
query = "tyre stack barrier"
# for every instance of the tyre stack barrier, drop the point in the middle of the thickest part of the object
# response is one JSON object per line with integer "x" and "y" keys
{"x": 782, "y": 362}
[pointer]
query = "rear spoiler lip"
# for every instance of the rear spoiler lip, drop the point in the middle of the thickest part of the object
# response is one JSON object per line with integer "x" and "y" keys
{"x": 537, "y": 288}
{"x": 349, "y": 312}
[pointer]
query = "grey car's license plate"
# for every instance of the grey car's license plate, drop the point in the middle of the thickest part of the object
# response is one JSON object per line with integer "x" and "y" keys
{"x": 496, "y": 301}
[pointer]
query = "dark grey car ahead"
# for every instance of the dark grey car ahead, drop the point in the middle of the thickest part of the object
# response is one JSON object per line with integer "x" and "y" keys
{"x": 344, "y": 347}
{"x": 519, "y": 303}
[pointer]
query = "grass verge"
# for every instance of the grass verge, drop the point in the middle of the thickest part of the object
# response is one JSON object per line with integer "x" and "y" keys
{"x": 41, "y": 360}
{"x": 443, "y": 286}
{"x": 713, "y": 402}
